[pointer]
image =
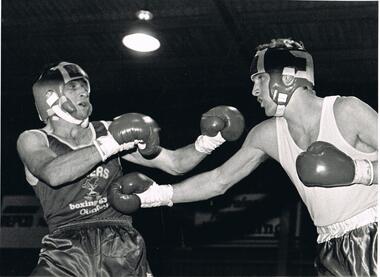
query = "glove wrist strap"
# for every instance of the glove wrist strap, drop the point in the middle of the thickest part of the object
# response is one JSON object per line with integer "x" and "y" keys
{"x": 206, "y": 144}
{"x": 363, "y": 172}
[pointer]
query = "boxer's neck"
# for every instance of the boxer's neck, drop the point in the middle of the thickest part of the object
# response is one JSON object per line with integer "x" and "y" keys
{"x": 69, "y": 131}
{"x": 304, "y": 110}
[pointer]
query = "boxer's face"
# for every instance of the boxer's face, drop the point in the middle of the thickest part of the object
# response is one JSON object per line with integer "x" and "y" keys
{"x": 77, "y": 92}
{"x": 261, "y": 91}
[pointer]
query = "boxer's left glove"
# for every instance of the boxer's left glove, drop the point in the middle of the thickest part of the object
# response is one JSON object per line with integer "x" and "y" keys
{"x": 220, "y": 124}
{"x": 127, "y": 131}
{"x": 138, "y": 128}
{"x": 134, "y": 190}
{"x": 324, "y": 165}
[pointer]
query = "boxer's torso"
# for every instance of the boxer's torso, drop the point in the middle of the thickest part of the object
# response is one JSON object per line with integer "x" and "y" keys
{"x": 326, "y": 205}
{"x": 83, "y": 199}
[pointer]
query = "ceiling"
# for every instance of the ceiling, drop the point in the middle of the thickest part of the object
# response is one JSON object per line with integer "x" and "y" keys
{"x": 204, "y": 60}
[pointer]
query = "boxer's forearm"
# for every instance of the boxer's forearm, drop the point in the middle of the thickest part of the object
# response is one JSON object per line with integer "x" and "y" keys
{"x": 199, "y": 187}
{"x": 186, "y": 158}
{"x": 174, "y": 162}
{"x": 219, "y": 180}
{"x": 70, "y": 166}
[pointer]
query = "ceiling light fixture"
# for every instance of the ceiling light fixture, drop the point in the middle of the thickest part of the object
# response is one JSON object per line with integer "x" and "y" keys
{"x": 141, "y": 37}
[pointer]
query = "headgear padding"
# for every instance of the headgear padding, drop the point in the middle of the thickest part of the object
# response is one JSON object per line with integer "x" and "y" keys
{"x": 48, "y": 91}
{"x": 289, "y": 66}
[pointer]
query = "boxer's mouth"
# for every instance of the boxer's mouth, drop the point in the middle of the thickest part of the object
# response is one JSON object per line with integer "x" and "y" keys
{"x": 82, "y": 104}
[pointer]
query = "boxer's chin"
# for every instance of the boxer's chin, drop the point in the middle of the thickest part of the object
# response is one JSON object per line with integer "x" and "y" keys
{"x": 83, "y": 112}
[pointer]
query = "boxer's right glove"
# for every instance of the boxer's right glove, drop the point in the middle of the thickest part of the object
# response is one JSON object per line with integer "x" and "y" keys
{"x": 126, "y": 131}
{"x": 218, "y": 125}
{"x": 134, "y": 190}
{"x": 324, "y": 165}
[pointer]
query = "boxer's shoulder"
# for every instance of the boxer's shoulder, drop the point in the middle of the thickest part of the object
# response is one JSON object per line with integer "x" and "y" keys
{"x": 351, "y": 113}
{"x": 265, "y": 128}
{"x": 33, "y": 135}
{"x": 29, "y": 142}
{"x": 263, "y": 135}
{"x": 346, "y": 104}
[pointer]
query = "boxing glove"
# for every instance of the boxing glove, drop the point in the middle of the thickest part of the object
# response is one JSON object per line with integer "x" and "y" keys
{"x": 324, "y": 165}
{"x": 134, "y": 190}
{"x": 218, "y": 125}
{"x": 121, "y": 193}
{"x": 137, "y": 127}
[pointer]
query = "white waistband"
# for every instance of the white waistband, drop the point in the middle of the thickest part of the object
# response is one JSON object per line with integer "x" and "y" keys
{"x": 336, "y": 230}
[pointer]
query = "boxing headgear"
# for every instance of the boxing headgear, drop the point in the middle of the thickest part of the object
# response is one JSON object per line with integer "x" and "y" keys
{"x": 48, "y": 92}
{"x": 289, "y": 66}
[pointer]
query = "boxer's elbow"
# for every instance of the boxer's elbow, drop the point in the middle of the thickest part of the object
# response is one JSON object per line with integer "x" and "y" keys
{"x": 178, "y": 167}
{"x": 51, "y": 179}
{"x": 181, "y": 162}
{"x": 171, "y": 163}
{"x": 219, "y": 183}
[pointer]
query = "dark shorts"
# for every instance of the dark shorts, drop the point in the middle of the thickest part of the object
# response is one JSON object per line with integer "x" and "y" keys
{"x": 90, "y": 250}
{"x": 353, "y": 254}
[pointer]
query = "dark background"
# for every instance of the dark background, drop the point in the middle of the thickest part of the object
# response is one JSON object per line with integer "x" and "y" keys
{"x": 206, "y": 49}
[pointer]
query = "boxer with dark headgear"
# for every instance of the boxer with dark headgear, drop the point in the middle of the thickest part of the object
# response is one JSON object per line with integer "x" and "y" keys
{"x": 71, "y": 164}
{"x": 327, "y": 146}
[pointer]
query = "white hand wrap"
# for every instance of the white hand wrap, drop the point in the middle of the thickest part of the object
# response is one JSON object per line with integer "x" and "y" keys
{"x": 106, "y": 146}
{"x": 156, "y": 196}
{"x": 206, "y": 144}
{"x": 363, "y": 172}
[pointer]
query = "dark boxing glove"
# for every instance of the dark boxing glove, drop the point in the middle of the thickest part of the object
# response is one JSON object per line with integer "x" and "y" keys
{"x": 324, "y": 165}
{"x": 134, "y": 190}
{"x": 218, "y": 125}
{"x": 139, "y": 128}
{"x": 121, "y": 193}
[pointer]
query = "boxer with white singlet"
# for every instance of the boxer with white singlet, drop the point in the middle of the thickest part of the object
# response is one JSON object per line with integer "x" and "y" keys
{"x": 327, "y": 146}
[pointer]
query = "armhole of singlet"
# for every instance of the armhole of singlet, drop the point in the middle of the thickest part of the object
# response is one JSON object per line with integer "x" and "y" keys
{"x": 327, "y": 102}
{"x": 105, "y": 123}
{"x": 334, "y": 125}
{"x": 30, "y": 178}
{"x": 278, "y": 127}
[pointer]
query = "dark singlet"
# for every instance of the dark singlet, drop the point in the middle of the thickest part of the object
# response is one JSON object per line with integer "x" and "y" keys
{"x": 84, "y": 199}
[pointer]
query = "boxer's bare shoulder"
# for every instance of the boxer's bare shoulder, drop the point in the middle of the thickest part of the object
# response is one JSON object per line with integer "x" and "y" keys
{"x": 357, "y": 122}
{"x": 263, "y": 137}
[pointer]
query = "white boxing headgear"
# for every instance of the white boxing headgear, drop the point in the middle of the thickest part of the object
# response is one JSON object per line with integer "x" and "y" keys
{"x": 289, "y": 66}
{"x": 48, "y": 92}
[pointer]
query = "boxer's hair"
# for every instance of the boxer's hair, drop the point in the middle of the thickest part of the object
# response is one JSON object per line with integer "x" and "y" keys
{"x": 286, "y": 43}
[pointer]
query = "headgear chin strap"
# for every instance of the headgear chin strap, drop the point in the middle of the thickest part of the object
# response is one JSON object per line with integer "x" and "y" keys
{"x": 289, "y": 66}
{"x": 48, "y": 93}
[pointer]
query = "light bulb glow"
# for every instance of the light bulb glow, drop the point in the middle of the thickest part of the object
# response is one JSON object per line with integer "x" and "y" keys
{"x": 144, "y": 15}
{"x": 141, "y": 42}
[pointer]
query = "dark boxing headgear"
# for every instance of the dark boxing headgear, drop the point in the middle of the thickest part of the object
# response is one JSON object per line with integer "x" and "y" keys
{"x": 48, "y": 92}
{"x": 289, "y": 66}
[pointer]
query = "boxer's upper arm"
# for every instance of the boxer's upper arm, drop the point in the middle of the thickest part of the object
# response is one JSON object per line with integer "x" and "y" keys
{"x": 252, "y": 153}
{"x": 34, "y": 152}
